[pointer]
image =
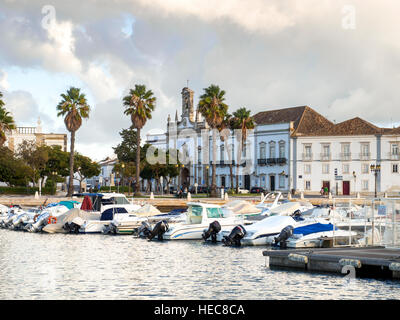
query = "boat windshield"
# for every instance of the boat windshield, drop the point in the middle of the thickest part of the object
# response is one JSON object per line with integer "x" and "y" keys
{"x": 196, "y": 211}
{"x": 214, "y": 213}
{"x": 118, "y": 200}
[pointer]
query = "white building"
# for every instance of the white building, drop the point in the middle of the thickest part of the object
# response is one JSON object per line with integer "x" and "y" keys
{"x": 291, "y": 149}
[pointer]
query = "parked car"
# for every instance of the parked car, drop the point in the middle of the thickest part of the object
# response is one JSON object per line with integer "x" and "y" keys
{"x": 243, "y": 191}
{"x": 257, "y": 190}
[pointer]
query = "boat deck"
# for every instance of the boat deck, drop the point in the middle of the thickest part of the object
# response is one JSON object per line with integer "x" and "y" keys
{"x": 374, "y": 262}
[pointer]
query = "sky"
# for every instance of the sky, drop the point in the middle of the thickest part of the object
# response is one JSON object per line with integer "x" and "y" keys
{"x": 341, "y": 58}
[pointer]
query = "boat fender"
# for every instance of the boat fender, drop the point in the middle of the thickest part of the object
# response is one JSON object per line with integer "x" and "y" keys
{"x": 298, "y": 258}
{"x": 350, "y": 262}
{"x": 235, "y": 236}
{"x": 394, "y": 266}
{"x": 285, "y": 234}
{"x": 212, "y": 231}
{"x": 159, "y": 229}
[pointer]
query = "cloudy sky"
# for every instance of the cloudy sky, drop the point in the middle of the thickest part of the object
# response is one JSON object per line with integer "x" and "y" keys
{"x": 341, "y": 58}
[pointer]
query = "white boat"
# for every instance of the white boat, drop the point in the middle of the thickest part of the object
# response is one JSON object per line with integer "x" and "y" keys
{"x": 103, "y": 208}
{"x": 48, "y": 215}
{"x": 10, "y": 216}
{"x": 265, "y": 206}
{"x": 199, "y": 216}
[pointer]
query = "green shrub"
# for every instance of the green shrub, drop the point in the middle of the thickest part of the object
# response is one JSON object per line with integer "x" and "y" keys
{"x": 27, "y": 190}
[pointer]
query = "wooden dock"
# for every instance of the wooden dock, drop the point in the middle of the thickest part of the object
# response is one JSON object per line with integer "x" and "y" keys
{"x": 371, "y": 262}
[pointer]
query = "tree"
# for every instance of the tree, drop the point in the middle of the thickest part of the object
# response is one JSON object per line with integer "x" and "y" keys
{"x": 13, "y": 171}
{"x": 139, "y": 104}
{"x": 35, "y": 157}
{"x": 127, "y": 170}
{"x": 58, "y": 162}
{"x": 126, "y": 150}
{"x": 85, "y": 167}
{"x": 6, "y": 121}
{"x": 243, "y": 121}
{"x": 213, "y": 109}
{"x": 227, "y": 124}
{"x": 73, "y": 107}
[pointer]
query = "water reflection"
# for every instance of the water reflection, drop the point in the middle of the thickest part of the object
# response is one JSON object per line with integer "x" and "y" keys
{"x": 57, "y": 266}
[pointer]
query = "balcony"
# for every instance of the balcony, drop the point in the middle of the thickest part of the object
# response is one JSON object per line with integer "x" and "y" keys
{"x": 345, "y": 156}
{"x": 271, "y": 161}
{"x": 325, "y": 156}
{"x": 281, "y": 161}
{"x": 262, "y": 162}
{"x": 365, "y": 156}
{"x": 307, "y": 156}
{"x": 394, "y": 156}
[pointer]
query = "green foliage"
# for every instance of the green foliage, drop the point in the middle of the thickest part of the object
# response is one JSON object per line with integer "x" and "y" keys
{"x": 27, "y": 190}
{"x": 12, "y": 170}
{"x": 126, "y": 150}
{"x": 85, "y": 167}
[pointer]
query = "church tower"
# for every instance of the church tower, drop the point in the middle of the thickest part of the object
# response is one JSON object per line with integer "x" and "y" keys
{"x": 187, "y": 104}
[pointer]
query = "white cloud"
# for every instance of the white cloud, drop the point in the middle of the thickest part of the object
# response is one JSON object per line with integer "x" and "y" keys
{"x": 4, "y": 85}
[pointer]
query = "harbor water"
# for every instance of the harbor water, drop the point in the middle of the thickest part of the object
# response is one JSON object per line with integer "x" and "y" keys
{"x": 66, "y": 266}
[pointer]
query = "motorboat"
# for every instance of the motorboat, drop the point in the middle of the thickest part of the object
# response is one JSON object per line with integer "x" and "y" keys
{"x": 172, "y": 217}
{"x": 48, "y": 215}
{"x": 242, "y": 208}
{"x": 270, "y": 201}
{"x": 199, "y": 217}
{"x": 8, "y": 218}
{"x": 102, "y": 209}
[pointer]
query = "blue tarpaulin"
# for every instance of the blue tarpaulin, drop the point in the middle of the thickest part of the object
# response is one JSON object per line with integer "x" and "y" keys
{"x": 313, "y": 228}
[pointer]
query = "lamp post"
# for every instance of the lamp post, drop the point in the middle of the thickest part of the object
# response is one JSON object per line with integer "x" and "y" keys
{"x": 122, "y": 166}
{"x": 375, "y": 168}
{"x": 118, "y": 181}
{"x": 354, "y": 176}
{"x": 54, "y": 174}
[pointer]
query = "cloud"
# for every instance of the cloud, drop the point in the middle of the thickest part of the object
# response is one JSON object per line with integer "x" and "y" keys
{"x": 264, "y": 54}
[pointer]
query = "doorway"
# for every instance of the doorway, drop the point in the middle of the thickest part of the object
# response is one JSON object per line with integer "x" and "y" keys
{"x": 326, "y": 184}
{"x": 272, "y": 183}
{"x": 223, "y": 182}
{"x": 247, "y": 182}
{"x": 346, "y": 188}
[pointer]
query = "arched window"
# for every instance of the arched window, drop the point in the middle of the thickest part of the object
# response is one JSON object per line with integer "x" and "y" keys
{"x": 281, "y": 149}
{"x": 272, "y": 151}
{"x": 263, "y": 154}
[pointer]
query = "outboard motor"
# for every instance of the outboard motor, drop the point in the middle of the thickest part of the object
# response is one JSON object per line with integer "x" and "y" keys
{"x": 212, "y": 231}
{"x": 285, "y": 234}
{"x": 159, "y": 229}
{"x": 71, "y": 227}
{"x": 144, "y": 230}
{"x": 235, "y": 236}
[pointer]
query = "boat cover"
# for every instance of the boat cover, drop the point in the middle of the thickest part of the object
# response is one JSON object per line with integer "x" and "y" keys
{"x": 285, "y": 209}
{"x": 147, "y": 210}
{"x": 64, "y": 218}
{"x": 314, "y": 228}
{"x": 69, "y": 204}
{"x": 87, "y": 204}
{"x": 242, "y": 207}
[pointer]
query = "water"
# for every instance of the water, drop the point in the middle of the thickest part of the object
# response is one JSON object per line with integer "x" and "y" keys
{"x": 58, "y": 266}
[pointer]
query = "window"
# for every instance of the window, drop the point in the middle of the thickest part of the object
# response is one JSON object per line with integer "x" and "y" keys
{"x": 307, "y": 168}
{"x": 262, "y": 150}
{"x": 214, "y": 213}
{"x": 325, "y": 168}
{"x": 365, "y": 185}
{"x": 395, "y": 149}
{"x": 395, "y": 168}
{"x": 281, "y": 181}
{"x": 222, "y": 151}
{"x": 326, "y": 152}
{"x": 281, "y": 149}
{"x": 307, "y": 151}
{"x": 364, "y": 168}
{"x": 346, "y": 151}
{"x": 272, "y": 153}
{"x": 365, "y": 153}
{"x": 196, "y": 211}
{"x": 199, "y": 154}
{"x": 308, "y": 185}
{"x": 119, "y": 200}
{"x": 346, "y": 168}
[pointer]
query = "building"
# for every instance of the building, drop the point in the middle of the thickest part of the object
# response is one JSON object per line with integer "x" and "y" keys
{"x": 20, "y": 134}
{"x": 291, "y": 149}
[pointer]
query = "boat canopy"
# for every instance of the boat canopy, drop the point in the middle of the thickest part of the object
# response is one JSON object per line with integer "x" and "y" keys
{"x": 70, "y": 204}
{"x": 108, "y": 214}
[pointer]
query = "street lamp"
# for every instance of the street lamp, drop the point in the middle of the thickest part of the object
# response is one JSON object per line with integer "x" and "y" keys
{"x": 375, "y": 168}
{"x": 123, "y": 166}
{"x": 118, "y": 180}
{"x": 54, "y": 174}
{"x": 354, "y": 176}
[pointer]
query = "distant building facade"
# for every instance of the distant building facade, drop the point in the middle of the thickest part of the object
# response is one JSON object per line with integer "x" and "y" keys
{"x": 20, "y": 134}
{"x": 291, "y": 149}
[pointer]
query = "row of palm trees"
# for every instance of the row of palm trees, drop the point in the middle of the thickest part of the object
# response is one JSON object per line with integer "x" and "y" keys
{"x": 139, "y": 104}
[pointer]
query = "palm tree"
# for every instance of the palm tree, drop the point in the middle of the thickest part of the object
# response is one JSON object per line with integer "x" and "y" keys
{"x": 227, "y": 124}
{"x": 243, "y": 121}
{"x": 213, "y": 109}
{"x": 139, "y": 104}
{"x": 73, "y": 107}
{"x": 6, "y": 121}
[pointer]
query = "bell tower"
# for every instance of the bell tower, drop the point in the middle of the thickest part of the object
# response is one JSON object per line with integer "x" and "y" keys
{"x": 187, "y": 104}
